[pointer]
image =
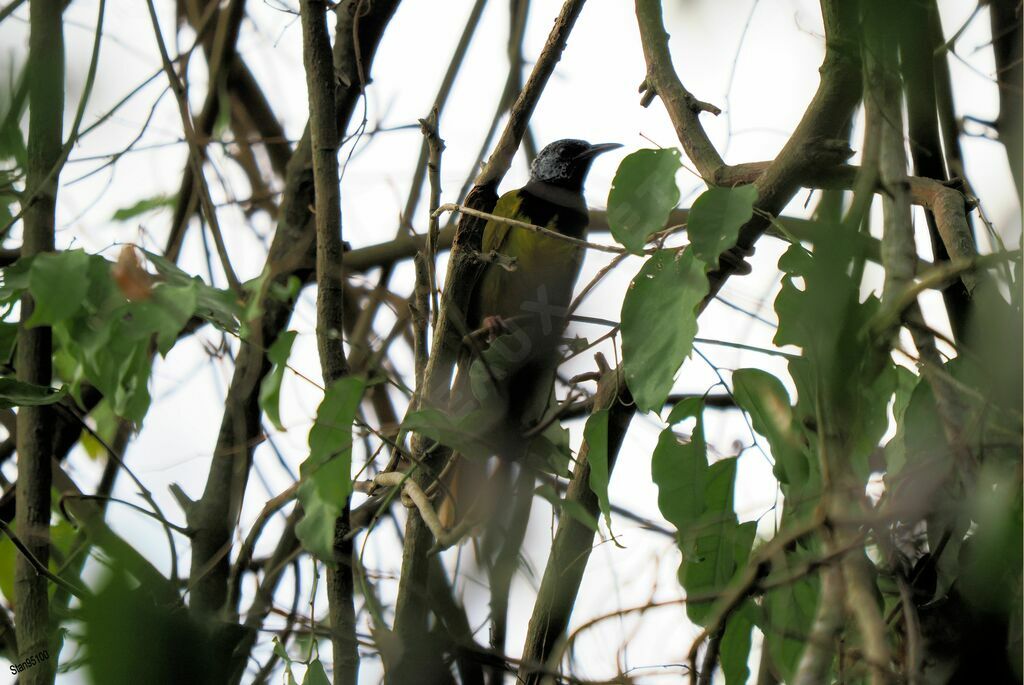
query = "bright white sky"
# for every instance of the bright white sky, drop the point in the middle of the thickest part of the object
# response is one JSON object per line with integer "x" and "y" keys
{"x": 761, "y": 76}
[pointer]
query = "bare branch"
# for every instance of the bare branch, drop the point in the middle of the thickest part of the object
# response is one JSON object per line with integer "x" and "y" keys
{"x": 683, "y": 108}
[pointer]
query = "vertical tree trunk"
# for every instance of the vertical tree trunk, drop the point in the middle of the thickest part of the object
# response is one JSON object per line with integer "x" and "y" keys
{"x": 46, "y": 103}
{"x": 316, "y": 49}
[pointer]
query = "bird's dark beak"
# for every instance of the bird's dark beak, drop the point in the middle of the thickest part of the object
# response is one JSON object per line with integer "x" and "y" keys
{"x": 598, "y": 149}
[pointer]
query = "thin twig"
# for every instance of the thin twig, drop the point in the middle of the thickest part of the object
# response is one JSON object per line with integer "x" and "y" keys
{"x": 40, "y": 567}
{"x": 195, "y": 157}
{"x": 450, "y": 207}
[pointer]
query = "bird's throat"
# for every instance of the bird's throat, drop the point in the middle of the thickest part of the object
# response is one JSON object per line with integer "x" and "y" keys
{"x": 562, "y": 198}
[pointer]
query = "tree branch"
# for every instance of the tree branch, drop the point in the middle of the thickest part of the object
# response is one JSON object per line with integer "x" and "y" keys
{"x": 573, "y": 542}
{"x": 214, "y": 515}
{"x": 683, "y": 108}
{"x": 220, "y": 52}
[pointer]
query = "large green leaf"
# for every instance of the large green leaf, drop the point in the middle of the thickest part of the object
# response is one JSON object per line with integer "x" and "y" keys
{"x": 718, "y": 541}
{"x": 734, "y": 650}
{"x": 58, "y": 282}
{"x": 787, "y": 615}
{"x": 659, "y": 321}
{"x": 763, "y": 396}
{"x": 680, "y": 469}
{"x": 326, "y": 475}
{"x": 715, "y": 220}
{"x": 164, "y": 314}
{"x": 129, "y": 638}
{"x": 844, "y": 372}
{"x": 467, "y": 435}
{"x": 697, "y": 498}
{"x": 595, "y": 433}
{"x": 270, "y": 388}
{"x": 643, "y": 193}
{"x": 219, "y": 307}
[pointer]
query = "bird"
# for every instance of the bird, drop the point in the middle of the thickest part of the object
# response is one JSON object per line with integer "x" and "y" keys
{"x": 508, "y": 380}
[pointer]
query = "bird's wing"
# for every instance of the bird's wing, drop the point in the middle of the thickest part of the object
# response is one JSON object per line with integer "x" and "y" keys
{"x": 496, "y": 232}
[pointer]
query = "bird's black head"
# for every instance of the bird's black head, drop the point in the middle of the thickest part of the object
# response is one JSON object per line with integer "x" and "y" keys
{"x": 565, "y": 162}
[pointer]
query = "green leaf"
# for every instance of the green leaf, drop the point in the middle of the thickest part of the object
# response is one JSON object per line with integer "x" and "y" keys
{"x": 715, "y": 220}
{"x": 62, "y": 536}
{"x": 843, "y": 372}
{"x": 270, "y": 388}
{"x": 12, "y": 140}
{"x": 716, "y": 537}
{"x": 550, "y": 451}
{"x": 466, "y": 435}
{"x": 326, "y": 475}
{"x": 763, "y": 396}
{"x": 595, "y": 433}
{"x": 788, "y": 615}
{"x": 58, "y": 282}
{"x": 680, "y": 469}
{"x": 8, "y": 338}
{"x": 659, "y": 321}
{"x": 219, "y": 307}
{"x": 15, "y": 393}
{"x": 643, "y": 193}
{"x": 697, "y": 499}
{"x": 15, "y": 280}
{"x": 734, "y": 650}
{"x": 144, "y": 206}
{"x": 164, "y": 315}
{"x": 129, "y": 637}
{"x": 280, "y": 650}
{"x": 315, "y": 674}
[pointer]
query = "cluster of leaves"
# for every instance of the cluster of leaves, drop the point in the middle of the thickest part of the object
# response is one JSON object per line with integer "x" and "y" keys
{"x": 845, "y": 381}
{"x": 102, "y": 337}
{"x": 107, "y": 324}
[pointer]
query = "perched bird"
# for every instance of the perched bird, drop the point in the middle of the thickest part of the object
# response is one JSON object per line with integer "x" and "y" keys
{"x": 524, "y": 306}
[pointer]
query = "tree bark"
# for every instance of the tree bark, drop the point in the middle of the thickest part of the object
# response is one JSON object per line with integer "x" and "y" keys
{"x": 34, "y": 356}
